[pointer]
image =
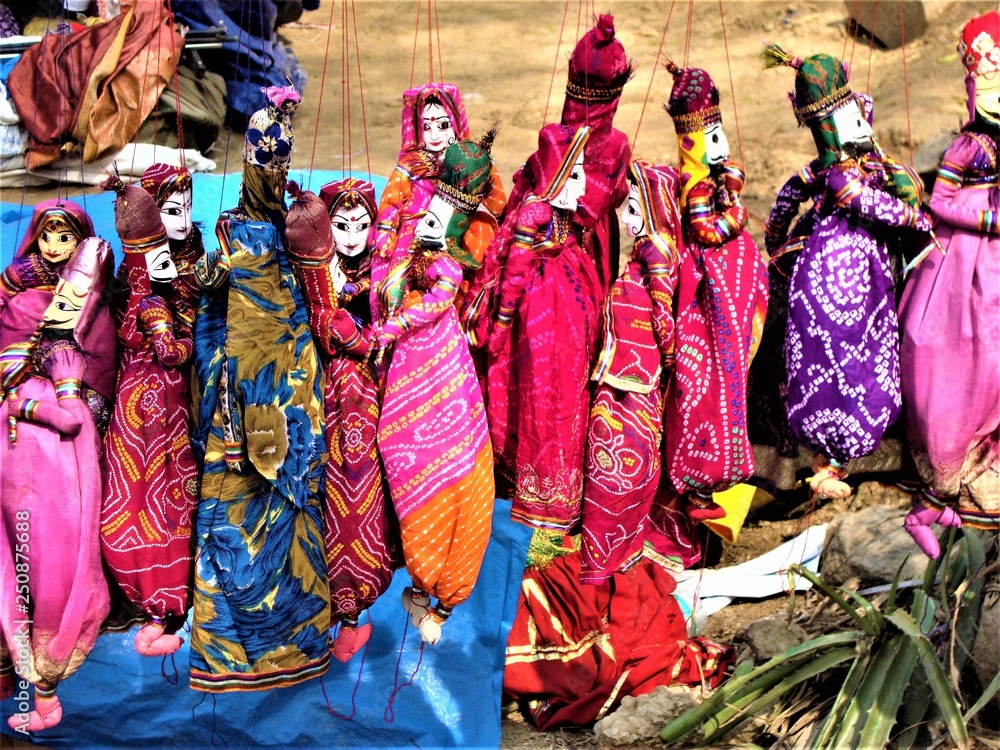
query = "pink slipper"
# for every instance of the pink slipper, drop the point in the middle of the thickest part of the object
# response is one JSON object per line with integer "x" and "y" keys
{"x": 416, "y": 606}
{"x": 349, "y": 641}
{"x": 704, "y": 510}
{"x": 47, "y": 713}
{"x": 152, "y": 641}
{"x": 919, "y": 520}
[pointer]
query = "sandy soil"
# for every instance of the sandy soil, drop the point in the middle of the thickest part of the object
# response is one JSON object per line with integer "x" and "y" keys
{"x": 502, "y": 54}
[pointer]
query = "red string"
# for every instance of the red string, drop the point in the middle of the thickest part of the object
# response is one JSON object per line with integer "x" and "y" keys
{"x": 687, "y": 35}
{"x": 350, "y": 119}
{"x": 579, "y": 18}
{"x": 847, "y": 29}
{"x": 229, "y": 129}
{"x": 345, "y": 124}
{"x": 322, "y": 87}
{"x": 652, "y": 75}
{"x": 871, "y": 49}
{"x": 145, "y": 75}
{"x": 416, "y": 34}
{"x": 732, "y": 86}
{"x": 357, "y": 684}
{"x": 361, "y": 87}
{"x": 389, "y": 715}
{"x": 906, "y": 83}
{"x": 177, "y": 86}
{"x": 555, "y": 63}
{"x": 437, "y": 30}
{"x": 430, "y": 46}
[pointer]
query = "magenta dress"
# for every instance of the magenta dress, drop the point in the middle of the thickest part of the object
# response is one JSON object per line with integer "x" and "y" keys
{"x": 950, "y": 352}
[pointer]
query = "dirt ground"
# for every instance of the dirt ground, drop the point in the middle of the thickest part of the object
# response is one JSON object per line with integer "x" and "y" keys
{"x": 502, "y": 54}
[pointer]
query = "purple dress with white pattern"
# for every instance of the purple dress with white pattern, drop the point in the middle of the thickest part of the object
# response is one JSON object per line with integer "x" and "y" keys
{"x": 842, "y": 345}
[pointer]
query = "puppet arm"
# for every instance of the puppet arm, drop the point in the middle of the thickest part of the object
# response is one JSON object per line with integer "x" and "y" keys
{"x": 798, "y": 189}
{"x": 419, "y": 310}
{"x": 957, "y": 159}
{"x": 159, "y": 322}
{"x": 845, "y": 186}
{"x": 708, "y": 226}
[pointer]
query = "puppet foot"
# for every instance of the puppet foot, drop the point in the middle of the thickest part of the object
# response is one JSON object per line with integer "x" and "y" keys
{"x": 430, "y": 627}
{"x": 152, "y": 641}
{"x": 47, "y": 713}
{"x": 417, "y": 605}
{"x": 827, "y": 483}
{"x": 917, "y": 524}
{"x": 350, "y": 640}
{"x": 704, "y": 508}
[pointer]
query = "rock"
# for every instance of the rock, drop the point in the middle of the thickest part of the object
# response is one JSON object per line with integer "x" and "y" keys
{"x": 869, "y": 545}
{"x": 770, "y": 636}
{"x": 882, "y": 20}
{"x": 642, "y": 719}
{"x": 986, "y": 649}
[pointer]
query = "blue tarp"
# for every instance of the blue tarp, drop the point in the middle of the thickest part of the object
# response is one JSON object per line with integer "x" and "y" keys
{"x": 119, "y": 699}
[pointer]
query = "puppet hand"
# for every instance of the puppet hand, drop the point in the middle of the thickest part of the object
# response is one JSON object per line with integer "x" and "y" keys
{"x": 391, "y": 330}
{"x": 733, "y": 180}
{"x": 740, "y": 215}
{"x": 922, "y": 222}
{"x": 534, "y": 215}
{"x": 498, "y": 337}
{"x": 22, "y": 273}
{"x": 65, "y": 421}
{"x": 184, "y": 313}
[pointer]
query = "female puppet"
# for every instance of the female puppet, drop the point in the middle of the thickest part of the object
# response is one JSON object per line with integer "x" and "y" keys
{"x": 54, "y": 595}
{"x": 432, "y": 431}
{"x": 950, "y": 316}
{"x": 543, "y": 341}
{"x": 261, "y": 592}
{"x": 841, "y": 347}
{"x": 328, "y": 243}
{"x": 150, "y": 476}
{"x": 433, "y": 119}
{"x": 721, "y": 303}
{"x": 626, "y": 415}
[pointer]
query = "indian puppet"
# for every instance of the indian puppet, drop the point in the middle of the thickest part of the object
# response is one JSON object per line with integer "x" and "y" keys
{"x": 950, "y": 321}
{"x": 543, "y": 342}
{"x": 432, "y": 432}
{"x": 149, "y": 471}
{"x": 624, "y": 439}
{"x": 261, "y": 590}
{"x": 54, "y": 594}
{"x": 433, "y": 118}
{"x": 721, "y": 303}
{"x": 841, "y": 346}
{"x": 329, "y": 243}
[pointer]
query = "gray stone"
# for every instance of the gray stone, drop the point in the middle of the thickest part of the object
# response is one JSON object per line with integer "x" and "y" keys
{"x": 641, "y": 719}
{"x": 770, "y": 636}
{"x": 882, "y": 20}
{"x": 986, "y": 649}
{"x": 869, "y": 545}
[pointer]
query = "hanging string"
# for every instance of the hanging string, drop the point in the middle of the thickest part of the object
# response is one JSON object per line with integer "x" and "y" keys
{"x": 177, "y": 85}
{"x": 555, "y": 63}
{"x": 430, "y": 44}
{"x": 687, "y": 34}
{"x": 437, "y": 30}
{"x": 361, "y": 88}
{"x": 906, "y": 83}
{"x": 389, "y": 716}
{"x": 851, "y": 23}
{"x": 652, "y": 75}
{"x": 345, "y": 123}
{"x": 322, "y": 88}
{"x": 854, "y": 38}
{"x": 416, "y": 33}
{"x": 871, "y": 49}
{"x": 347, "y": 99}
{"x": 229, "y": 127}
{"x": 145, "y": 75}
{"x": 357, "y": 683}
{"x": 579, "y": 17}
{"x": 732, "y": 86}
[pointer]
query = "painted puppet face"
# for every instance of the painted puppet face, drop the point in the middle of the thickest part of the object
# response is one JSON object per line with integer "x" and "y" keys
{"x": 57, "y": 241}
{"x": 853, "y": 128}
{"x": 631, "y": 215}
{"x": 573, "y": 190}
{"x": 176, "y": 215}
{"x": 438, "y": 132}
{"x": 64, "y": 309}
{"x": 988, "y": 97}
{"x": 160, "y": 265}
{"x": 716, "y": 146}
{"x": 350, "y": 230}
{"x": 434, "y": 224}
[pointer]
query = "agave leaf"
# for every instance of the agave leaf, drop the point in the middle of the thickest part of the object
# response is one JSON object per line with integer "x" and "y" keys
{"x": 891, "y": 603}
{"x": 915, "y": 704}
{"x": 872, "y": 682}
{"x": 733, "y": 716}
{"x": 871, "y": 614}
{"x": 882, "y": 717}
{"x": 867, "y": 625}
{"x": 687, "y": 722}
{"x": 992, "y": 689}
{"x": 944, "y": 697}
{"x": 968, "y": 603}
{"x": 844, "y": 697}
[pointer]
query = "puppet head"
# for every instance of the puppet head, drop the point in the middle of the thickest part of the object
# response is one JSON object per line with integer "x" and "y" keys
{"x": 694, "y": 108}
{"x": 465, "y": 180}
{"x": 267, "y": 155}
{"x": 980, "y": 51}
{"x": 57, "y": 227}
{"x": 559, "y": 161}
{"x": 78, "y": 295}
{"x": 170, "y": 187}
{"x": 438, "y": 108}
{"x": 307, "y": 229}
{"x": 824, "y": 102}
{"x": 653, "y": 194}
{"x": 352, "y": 209}
{"x": 598, "y": 72}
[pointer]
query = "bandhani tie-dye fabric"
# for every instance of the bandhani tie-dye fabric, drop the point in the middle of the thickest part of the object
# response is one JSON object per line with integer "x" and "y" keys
{"x": 842, "y": 345}
{"x": 950, "y": 316}
{"x": 261, "y": 601}
{"x": 721, "y": 304}
{"x": 433, "y": 437}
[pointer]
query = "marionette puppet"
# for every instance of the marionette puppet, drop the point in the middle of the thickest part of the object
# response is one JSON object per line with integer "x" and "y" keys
{"x": 149, "y": 471}
{"x": 543, "y": 342}
{"x": 950, "y": 320}
{"x": 261, "y": 590}
{"x": 721, "y": 302}
{"x": 432, "y": 431}
{"x": 623, "y": 463}
{"x": 433, "y": 118}
{"x": 54, "y": 595}
{"x": 841, "y": 347}
{"x": 329, "y": 247}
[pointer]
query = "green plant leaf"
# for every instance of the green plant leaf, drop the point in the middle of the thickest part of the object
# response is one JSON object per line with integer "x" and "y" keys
{"x": 992, "y": 689}
{"x": 891, "y": 603}
{"x": 867, "y": 625}
{"x": 915, "y": 704}
{"x": 864, "y": 698}
{"x": 844, "y": 697}
{"x": 882, "y": 716}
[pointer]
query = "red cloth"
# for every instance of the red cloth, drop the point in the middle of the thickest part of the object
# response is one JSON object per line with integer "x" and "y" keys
{"x": 580, "y": 649}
